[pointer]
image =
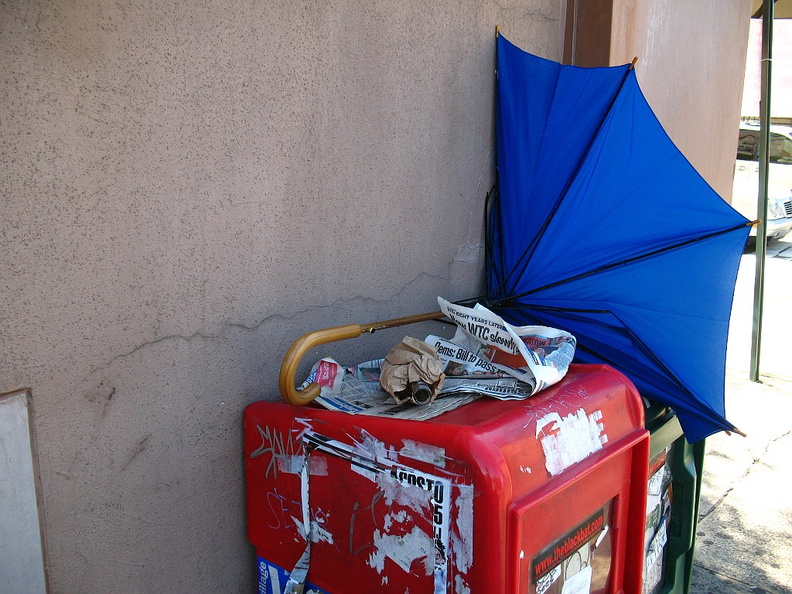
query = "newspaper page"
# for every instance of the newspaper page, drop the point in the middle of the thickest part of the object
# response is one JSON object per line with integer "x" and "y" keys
{"x": 485, "y": 357}
{"x": 536, "y": 355}
{"x": 469, "y": 371}
{"x": 358, "y": 391}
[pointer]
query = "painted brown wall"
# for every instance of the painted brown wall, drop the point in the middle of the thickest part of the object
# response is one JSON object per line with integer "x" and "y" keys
{"x": 587, "y": 32}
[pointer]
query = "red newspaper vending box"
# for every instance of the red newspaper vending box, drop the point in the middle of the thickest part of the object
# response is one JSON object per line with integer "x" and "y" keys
{"x": 544, "y": 496}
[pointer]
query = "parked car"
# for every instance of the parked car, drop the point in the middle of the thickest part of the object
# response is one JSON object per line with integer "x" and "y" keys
{"x": 745, "y": 191}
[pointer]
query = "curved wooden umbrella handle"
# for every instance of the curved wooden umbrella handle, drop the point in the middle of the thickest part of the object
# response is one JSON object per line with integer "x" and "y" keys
{"x": 306, "y": 342}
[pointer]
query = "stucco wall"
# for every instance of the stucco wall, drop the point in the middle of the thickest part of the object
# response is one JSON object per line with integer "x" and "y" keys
{"x": 188, "y": 187}
{"x": 691, "y": 64}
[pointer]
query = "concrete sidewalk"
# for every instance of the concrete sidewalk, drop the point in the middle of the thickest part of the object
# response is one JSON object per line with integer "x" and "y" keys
{"x": 744, "y": 537}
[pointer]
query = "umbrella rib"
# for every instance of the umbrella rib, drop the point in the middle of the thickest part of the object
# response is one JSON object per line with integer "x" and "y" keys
{"x": 531, "y": 247}
{"x": 606, "y": 267}
{"x": 708, "y": 413}
{"x": 491, "y": 222}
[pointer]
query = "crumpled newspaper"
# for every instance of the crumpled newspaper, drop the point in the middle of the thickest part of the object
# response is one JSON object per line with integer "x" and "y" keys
{"x": 412, "y": 371}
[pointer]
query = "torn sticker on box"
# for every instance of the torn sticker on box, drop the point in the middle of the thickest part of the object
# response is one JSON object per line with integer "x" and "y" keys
{"x": 570, "y": 439}
{"x": 430, "y": 495}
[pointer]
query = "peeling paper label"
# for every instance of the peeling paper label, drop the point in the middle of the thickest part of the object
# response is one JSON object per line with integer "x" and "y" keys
{"x": 461, "y": 586}
{"x": 462, "y": 530}
{"x": 439, "y": 490}
{"x": 424, "y": 453}
{"x": 294, "y": 464}
{"x": 296, "y": 582}
{"x": 272, "y": 579}
{"x": 283, "y": 455}
{"x": 570, "y": 439}
{"x": 430, "y": 493}
{"x": 402, "y": 549}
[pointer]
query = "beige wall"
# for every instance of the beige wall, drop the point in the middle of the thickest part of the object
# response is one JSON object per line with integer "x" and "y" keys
{"x": 691, "y": 63}
{"x": 188, "y": 188}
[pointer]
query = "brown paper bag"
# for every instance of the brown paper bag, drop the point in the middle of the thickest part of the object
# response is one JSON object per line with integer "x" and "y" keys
{"x": 412, "y": 371}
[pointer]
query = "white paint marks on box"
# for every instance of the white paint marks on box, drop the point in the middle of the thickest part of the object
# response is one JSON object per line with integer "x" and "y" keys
{"x": 570, "y": 439}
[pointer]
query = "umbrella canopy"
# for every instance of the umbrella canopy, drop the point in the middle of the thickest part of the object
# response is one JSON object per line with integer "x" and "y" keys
{"x": 601, "y": 227}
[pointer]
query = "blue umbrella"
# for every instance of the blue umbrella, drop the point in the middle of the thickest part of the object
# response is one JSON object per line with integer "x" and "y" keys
{"x": 600, "y": 226}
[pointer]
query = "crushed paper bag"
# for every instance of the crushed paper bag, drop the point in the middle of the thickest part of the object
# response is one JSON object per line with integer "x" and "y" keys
{"x": 412, "y": 366}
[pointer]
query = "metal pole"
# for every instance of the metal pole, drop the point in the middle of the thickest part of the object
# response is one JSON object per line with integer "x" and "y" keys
{"x": 764, "y": 163}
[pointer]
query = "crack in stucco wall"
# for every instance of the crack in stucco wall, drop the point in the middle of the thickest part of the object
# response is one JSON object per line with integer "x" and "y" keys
{"x": 465, "y": 254}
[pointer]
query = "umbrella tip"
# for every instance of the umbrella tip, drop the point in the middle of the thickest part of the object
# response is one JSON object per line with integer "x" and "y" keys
{"x": 753, "y": 223}
{"x": 497, "y": 30}
{"x": 634, "y": 62}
